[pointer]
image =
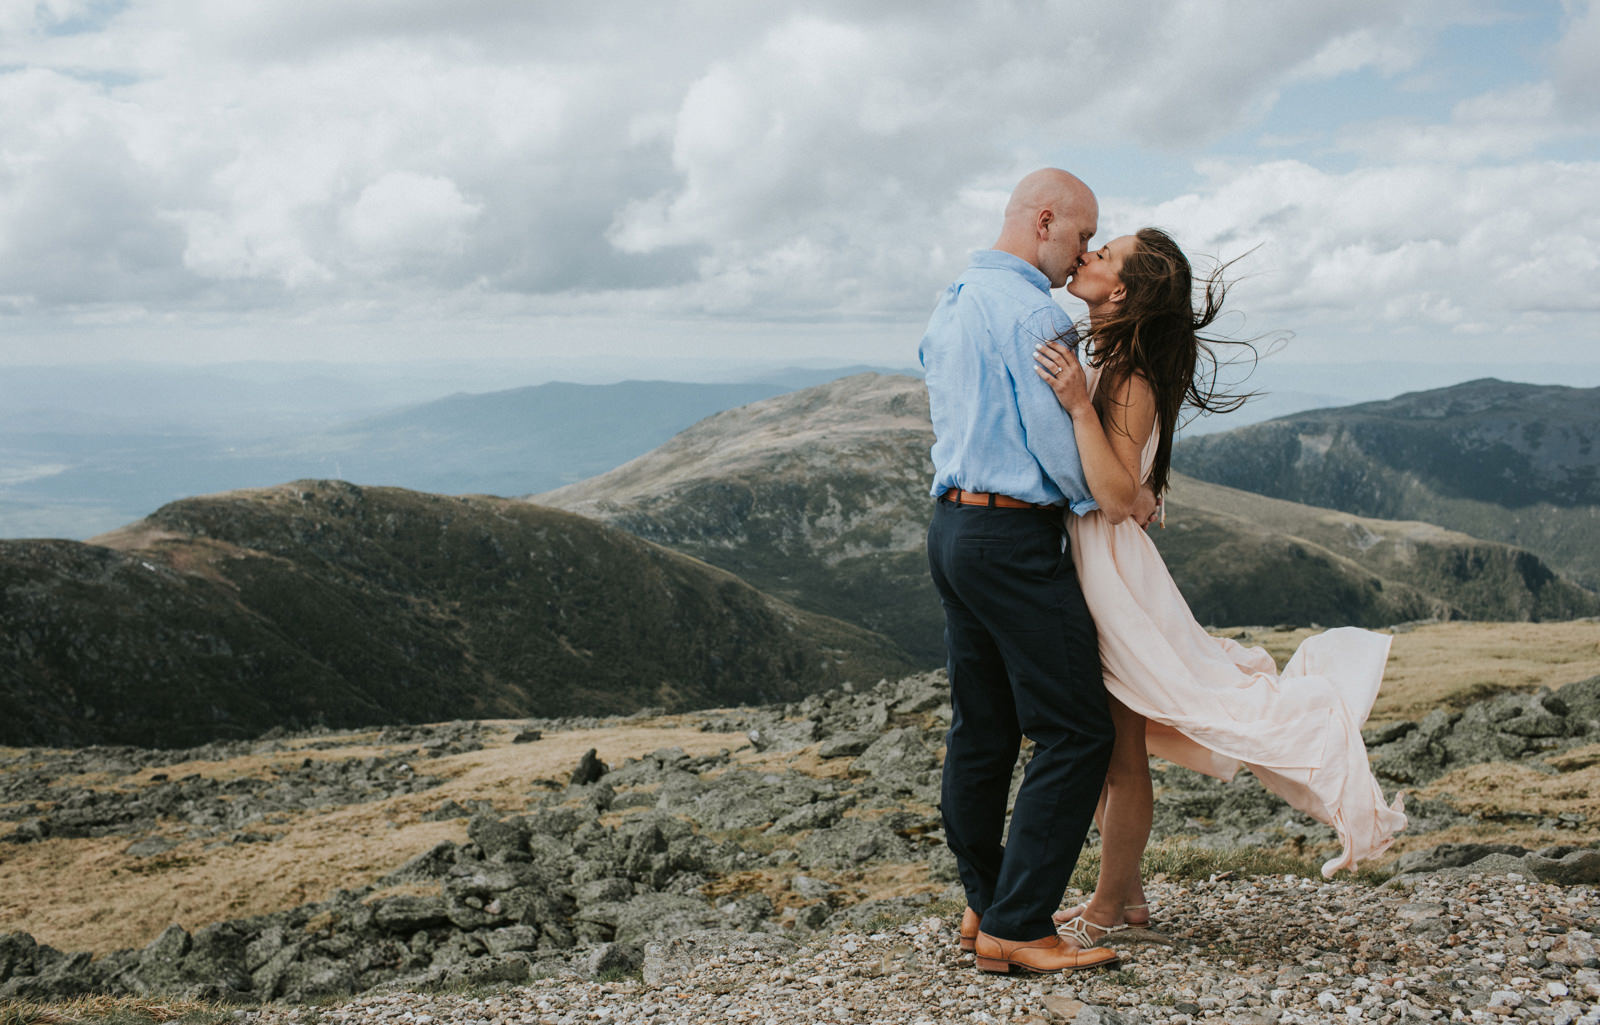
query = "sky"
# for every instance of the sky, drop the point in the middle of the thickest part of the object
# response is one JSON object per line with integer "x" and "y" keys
{"x": 636, "y": 185}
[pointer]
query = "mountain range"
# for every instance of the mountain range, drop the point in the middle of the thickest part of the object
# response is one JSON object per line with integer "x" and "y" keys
{"x": 764, "y": 552}
{"x": 323, "y": 602}
{"x": 1517, "y": 463}
{"x": 821, "y": 497}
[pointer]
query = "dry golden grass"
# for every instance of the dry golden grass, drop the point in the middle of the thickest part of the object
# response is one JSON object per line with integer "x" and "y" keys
{"x": 103, "y": 1010}
{"x": 805, "y": 760}
{"x": 1500, "y": 790}
{"x": 1449, "y": 665}
{"x": 87, "y": 895}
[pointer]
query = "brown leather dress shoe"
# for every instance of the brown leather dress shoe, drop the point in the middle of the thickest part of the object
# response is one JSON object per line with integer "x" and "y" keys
{"x": 1045, "y": 956}
{"x": 969, "y": 929}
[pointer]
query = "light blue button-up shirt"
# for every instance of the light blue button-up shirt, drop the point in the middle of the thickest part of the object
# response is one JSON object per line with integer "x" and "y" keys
{"x": 997, "y": 427}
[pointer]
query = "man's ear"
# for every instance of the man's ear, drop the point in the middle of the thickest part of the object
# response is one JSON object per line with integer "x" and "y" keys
{"x": 1042, "y": 225}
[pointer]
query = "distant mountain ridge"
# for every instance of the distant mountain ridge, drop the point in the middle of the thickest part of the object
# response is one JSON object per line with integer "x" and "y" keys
{"x": 69, "y": 475}
{"x": 1509, "y": 462}
{"x": 322, "y": 602}
{"x": 821, "y": 497}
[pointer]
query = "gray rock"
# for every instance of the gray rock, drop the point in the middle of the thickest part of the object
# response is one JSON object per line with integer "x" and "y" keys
{"x": 784, "y": 736}
{"x": 431, "y": 864}
{"x": 512, "y": 937}
{"x": 1576, "y": 949}
{"x": 590, "y": 769}
{"x": 610, "y": 889}
{"x": 17, "y": 953}
{"x": 527, "y": 737}
{"x": 622, "y": 958}
{"x": 408, "y": 914}
{"x": 813, "y": 916}
{"x": 445, "y": 812}
{"x": 268, "y": 980}
{"x": 852, "y": 842}
{"x": 812, "y": 889}
{"x": 500, "y": 840}
{"x": 1094, "y": 1015}
{"x": 898, "y": 753}
{"x": 1452, "y": 855}
{"x": 513, "y": 967}
{"x": 656, "y": 916}
{"x": 667, "y": 960}
{"x": 1577, "y": 868}
{"x": 1582, "y": 699}
{"x": 846, "y": 745}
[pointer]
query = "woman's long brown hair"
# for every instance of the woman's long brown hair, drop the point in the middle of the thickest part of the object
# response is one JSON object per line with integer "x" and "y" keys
{"x": 1155, "y": 332}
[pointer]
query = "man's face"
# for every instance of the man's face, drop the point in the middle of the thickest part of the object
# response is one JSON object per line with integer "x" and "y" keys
{"x": 1066, "y": 239}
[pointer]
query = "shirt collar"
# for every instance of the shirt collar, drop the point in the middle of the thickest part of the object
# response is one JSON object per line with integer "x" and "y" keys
{"x": 996, "y": 259}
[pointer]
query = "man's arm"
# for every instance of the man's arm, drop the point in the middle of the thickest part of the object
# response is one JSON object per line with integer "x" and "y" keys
{"x": 1046, "y": 427}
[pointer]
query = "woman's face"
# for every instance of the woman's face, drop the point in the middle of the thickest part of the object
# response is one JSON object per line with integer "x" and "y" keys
{"x": 1099, "y": 277}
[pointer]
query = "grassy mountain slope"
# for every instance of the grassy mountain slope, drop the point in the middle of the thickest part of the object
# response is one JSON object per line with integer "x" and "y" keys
{"x": 1509, "y": 462}
{"x": 324, "y": 602}
{"x": 821, "y": 498}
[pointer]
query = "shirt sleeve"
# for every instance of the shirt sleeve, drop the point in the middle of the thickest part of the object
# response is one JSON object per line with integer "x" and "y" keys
{"x": 1046, "y": 427}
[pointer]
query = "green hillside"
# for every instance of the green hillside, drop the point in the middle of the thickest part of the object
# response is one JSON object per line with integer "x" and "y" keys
{"x": 322, "y": 602}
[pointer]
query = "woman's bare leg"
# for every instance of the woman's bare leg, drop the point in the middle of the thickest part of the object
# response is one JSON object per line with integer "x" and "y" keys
{"x": 1126, "y": 807}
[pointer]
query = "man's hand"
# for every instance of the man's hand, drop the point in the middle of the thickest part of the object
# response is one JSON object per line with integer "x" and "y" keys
{"x": 1146, "y": 507}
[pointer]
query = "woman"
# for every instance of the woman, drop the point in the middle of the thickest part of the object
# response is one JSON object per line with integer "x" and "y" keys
{"x": 1203, "y": 702}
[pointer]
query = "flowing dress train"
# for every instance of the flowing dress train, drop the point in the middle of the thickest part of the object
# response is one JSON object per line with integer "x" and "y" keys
{"x": 1212, "y": 704}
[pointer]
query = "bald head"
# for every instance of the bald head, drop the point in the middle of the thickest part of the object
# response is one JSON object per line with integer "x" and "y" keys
{"x": 1048, "y": 222}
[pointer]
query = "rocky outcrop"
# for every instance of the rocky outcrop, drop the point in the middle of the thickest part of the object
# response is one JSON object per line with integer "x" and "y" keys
{"x": 618, "y": 869}
{"x": 1509, "y": 727}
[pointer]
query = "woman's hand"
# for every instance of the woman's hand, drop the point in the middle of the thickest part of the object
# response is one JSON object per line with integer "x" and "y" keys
{"x": 1059, "y": 367}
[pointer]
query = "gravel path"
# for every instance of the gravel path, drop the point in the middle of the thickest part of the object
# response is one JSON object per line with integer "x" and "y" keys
{"x": 1276, "y": 949}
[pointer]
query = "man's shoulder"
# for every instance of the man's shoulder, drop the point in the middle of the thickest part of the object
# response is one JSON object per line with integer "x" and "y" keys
{"x": 1007, "y": 285}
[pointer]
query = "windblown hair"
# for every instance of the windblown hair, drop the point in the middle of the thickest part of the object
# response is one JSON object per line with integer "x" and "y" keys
{"x": 1156, "y": 333}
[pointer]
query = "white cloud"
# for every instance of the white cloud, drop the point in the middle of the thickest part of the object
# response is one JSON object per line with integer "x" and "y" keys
{"x": 403, "y": 216}
{"x": 1419, "y": 247}
{"x": 832, "y": 161}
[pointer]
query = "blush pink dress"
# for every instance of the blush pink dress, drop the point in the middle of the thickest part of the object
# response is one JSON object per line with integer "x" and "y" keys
{"x": 1213, "y": 704}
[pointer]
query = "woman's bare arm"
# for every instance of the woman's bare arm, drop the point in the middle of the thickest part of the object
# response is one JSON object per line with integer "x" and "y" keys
{"x": 1109, "y": 451}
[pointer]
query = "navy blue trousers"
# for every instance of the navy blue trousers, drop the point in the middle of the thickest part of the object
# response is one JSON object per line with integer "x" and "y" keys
{"x": 1024, "y": 661}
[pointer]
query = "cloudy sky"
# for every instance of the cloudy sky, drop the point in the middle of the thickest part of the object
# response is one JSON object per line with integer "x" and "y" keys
{"x": 638, "y": 183}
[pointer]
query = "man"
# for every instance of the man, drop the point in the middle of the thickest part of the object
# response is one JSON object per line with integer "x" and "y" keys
{"x": 1023, "y": 655}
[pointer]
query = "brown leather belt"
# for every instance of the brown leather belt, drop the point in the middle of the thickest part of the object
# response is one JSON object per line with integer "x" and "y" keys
{"x": 992, "y": 501}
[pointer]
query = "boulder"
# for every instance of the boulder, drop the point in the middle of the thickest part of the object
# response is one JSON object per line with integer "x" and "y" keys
{"x": 896, "y": 755}
{"x": 657, "y": 916}
{"x": 431, "y": 864}
{"x": 499, "y": 839}
{"x": 1582, "y": 699}
{"x": 408, "y": 914}
{"x": 846, "y": 745}
{"x": 1452, "y": 855}
{"x": 613, "y": 958}
{"x": 589, "y": 770}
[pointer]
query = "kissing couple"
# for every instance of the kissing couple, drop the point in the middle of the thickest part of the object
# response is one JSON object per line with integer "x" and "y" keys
{"x": 1052, "y": 445}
